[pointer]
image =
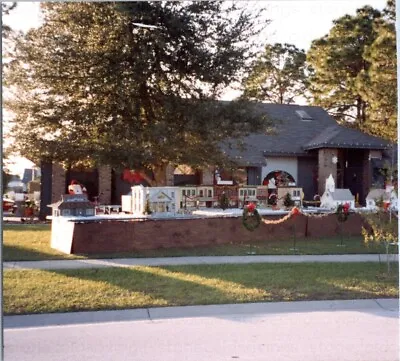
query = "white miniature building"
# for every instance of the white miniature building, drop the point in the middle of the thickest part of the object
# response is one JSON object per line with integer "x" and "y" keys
{"x": 160, "y": 199}
{"x": 205, "y": 196}
{"x": 333, "y": 197}
{"x": 247, "y": 194}
{"x": 385, "y": 195}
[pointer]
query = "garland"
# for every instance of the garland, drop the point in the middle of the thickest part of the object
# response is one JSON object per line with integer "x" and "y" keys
{"x": 251, "y": 219}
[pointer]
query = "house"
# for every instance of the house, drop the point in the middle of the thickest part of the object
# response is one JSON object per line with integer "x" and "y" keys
{"x": 375, "y": 196}
{"x": 158, "y": 199}
{"x": 304, "y": 146}
{"x": 332, "y": 196}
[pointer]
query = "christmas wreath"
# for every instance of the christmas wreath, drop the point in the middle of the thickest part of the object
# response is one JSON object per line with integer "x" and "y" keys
{"x": 342, "y": 212}
{"x": 251, "y": 219}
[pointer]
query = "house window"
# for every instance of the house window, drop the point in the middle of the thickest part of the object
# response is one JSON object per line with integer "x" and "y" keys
{"x": 210, "y": 193}
{"x": 184, "y": 192}
{"x": 193, "y": 192}
{"x": 200, "y": 193}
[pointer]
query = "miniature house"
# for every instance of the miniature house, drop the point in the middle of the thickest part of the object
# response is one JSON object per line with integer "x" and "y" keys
{"x": 332, "y": 197}
{"x": 247, "y": 194}
{"x": 295, "y": 194}
{"x": 159, "y": 199}
{"x": 205, "y": 196}
{"x": 381, "y": 195}
{"x": 188, "y": 197}
{"x": 75, "y": 205}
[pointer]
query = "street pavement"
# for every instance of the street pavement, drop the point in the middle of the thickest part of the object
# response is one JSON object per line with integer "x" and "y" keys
{"x": 164, "y": 261}
{"x": 354, "y": 330}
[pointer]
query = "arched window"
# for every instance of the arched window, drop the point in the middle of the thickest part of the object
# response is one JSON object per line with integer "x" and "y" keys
{"x": 278, "y": 178}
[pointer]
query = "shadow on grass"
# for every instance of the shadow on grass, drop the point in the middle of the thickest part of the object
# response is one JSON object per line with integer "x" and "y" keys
{"x": 127, "y": 288}
{"x": 19, "y": 253}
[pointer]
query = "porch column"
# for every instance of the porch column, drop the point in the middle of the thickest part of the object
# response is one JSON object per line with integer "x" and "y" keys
{"x": 326, "y": 167}
{"x": 58, "y": 186}
{"x": 104, "y": 184}
{"x": 207, "y": 176}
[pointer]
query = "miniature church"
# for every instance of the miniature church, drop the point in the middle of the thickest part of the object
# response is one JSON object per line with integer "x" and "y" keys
{"x": 332, "y": 197}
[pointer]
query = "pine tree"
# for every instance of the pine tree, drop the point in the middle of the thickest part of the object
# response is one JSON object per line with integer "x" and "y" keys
{"x": 278, "y": 75}
{"x": 337, "y": 61}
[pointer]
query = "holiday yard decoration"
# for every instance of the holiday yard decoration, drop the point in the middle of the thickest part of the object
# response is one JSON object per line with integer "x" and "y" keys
{"x": 251, "y": 218}
{"x": 223, "y": 201}
{"x": 342, "y": 212}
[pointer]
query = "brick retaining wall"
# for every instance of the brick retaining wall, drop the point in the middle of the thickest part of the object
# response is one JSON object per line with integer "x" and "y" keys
{"x": 115, "y": 236}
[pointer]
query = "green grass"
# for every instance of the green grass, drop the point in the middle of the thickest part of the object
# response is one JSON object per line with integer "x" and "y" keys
{"x": 41, "y": 291}
{"x": 32, "y": 242}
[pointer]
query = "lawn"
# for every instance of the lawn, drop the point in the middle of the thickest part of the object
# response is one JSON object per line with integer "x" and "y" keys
{"x": 39, "y": 291}
{"x": 32, "y": 242}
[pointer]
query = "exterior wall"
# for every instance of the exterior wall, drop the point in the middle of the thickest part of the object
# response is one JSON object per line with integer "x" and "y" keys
{"x": 254, "y": 176}
{"x": 58, "y": 182}
{"x": 308, "y": 176}
{"x": 207, "y": 176}
{"x": 326, "y": 167}
{"x": 287, "y": 164}
{"x": 105, "y": 184}
{"x": 114, "y": 236}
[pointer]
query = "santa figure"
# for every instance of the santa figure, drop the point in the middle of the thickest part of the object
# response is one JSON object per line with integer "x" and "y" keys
{"x": 76, "y": 188}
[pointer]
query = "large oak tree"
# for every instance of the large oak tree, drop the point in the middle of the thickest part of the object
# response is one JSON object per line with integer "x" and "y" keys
{"x": 93, "y": 85}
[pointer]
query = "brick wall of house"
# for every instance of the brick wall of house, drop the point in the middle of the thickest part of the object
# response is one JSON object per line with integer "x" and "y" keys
{"x": 58, "y": 186}
{"x": 207, "y": 176}
{"x": 326, "y": 167}
{"x": 104, "y": 184}
{"x": 114, "y": 236}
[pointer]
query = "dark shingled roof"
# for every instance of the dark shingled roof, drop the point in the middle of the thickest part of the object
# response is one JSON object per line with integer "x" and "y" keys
{"x": 294, "y": 136}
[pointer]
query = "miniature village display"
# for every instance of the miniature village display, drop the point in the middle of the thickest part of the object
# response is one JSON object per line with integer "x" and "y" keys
{"x": 333, "y": 197}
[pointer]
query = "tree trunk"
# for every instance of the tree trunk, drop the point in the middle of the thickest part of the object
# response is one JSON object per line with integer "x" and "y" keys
{"x": 160, "y": 175}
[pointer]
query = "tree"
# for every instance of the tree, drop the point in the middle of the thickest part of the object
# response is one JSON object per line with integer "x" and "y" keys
{"x": 378, "y": 84}
{"x": 338, "y": 62}
{"x": 5, "y": 10}
{"x": 278, "y": 75}
{"x": 90, "y": 86}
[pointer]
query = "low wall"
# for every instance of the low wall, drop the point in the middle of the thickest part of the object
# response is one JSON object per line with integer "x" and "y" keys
{"x": 116, "y": 236}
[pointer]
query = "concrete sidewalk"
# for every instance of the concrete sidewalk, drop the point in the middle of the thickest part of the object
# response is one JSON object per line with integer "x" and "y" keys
{"x": 166, "y": 261}
{"x": 390, "y": 306}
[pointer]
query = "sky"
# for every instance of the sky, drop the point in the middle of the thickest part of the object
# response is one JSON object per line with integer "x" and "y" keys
{"x": 297, "y": 22}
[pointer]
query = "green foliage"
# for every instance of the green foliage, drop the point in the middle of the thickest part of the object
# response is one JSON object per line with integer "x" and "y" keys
{"x": 223, "y": 201}
{"x": 337, "y": 60}
{"x": 383, "y": 228}
{"x": 378, "y": 85}
{"x": 354, "y": 72}
{"x": 278, "y": 75}
{"x": 89, "y": 86}
{"x": 288, "y": 201}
